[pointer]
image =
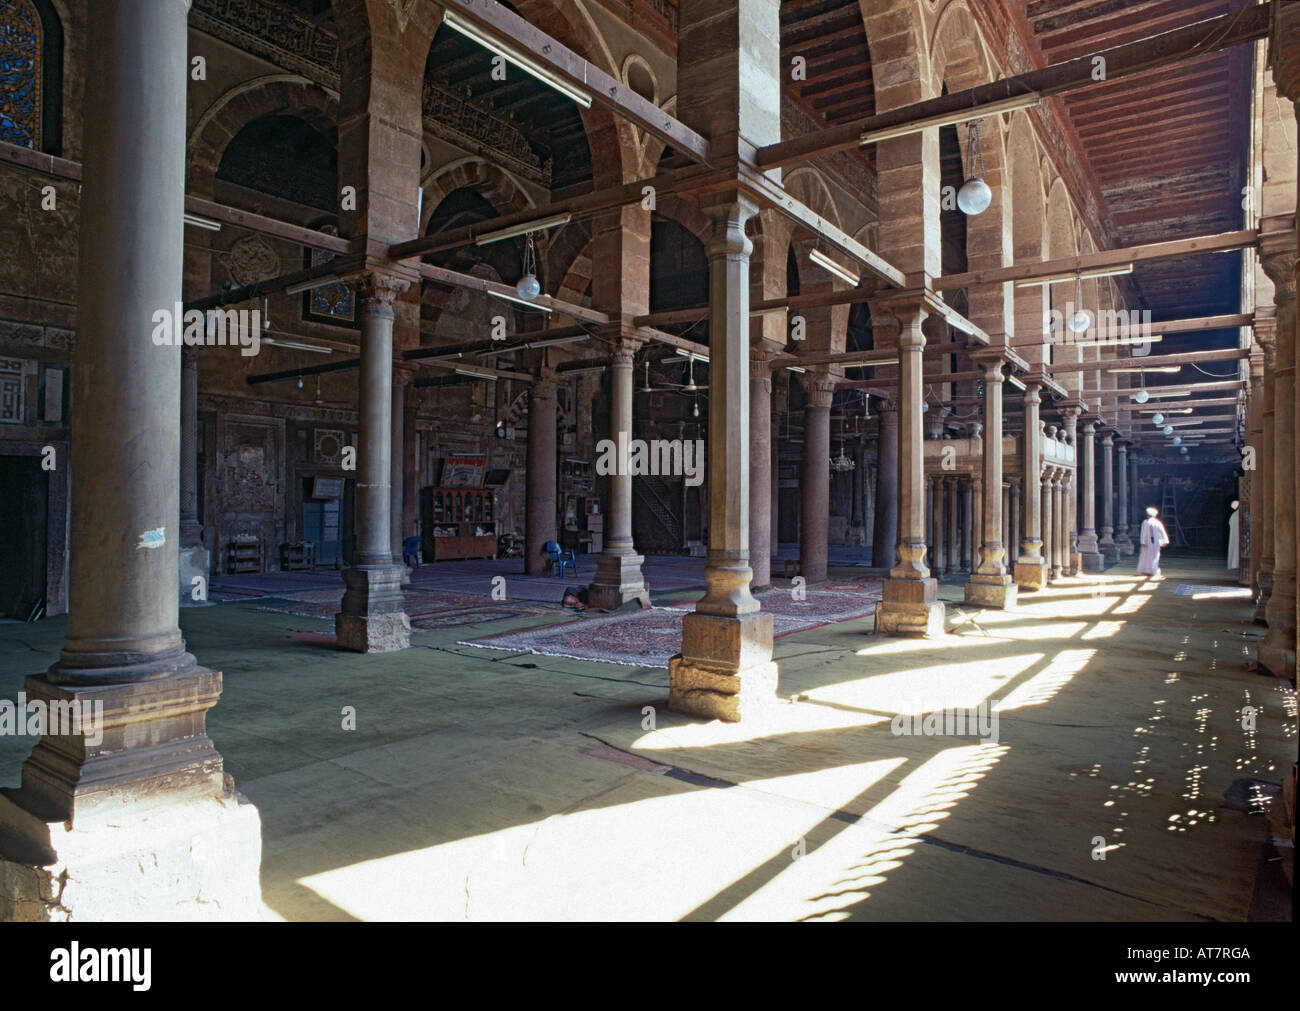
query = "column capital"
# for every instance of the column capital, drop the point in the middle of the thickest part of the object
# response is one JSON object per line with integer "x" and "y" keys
{"x": 623, "y": 349}
{"x": 378, "y": 288}
{"x": 546, "y": 383}
{"x": 819, "y": 387}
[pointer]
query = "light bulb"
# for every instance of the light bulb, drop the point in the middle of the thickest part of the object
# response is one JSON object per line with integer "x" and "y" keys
{"x": 974, "y": 196}
{"x": 1157, "y": 419}
{"x": 528, "y": 287}
{"x": 1168, "y": 430}
{"x": 1183, "y": 450}
{"x": 695, "y": 410}
{"x": 1141, "y": 396}
{"x": 1178, "y": 440}
{"x": 1080, "y": 321}
{"x": 300, "y": 382}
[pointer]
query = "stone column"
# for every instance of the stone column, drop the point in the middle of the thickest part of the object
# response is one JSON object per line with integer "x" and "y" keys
{"x": 1106, "y": 543}
{"x": 990, "y": 585}
{"x": 886, "y": 532}
{"x": 910, "y": 603}
{"x": 1058, "y": 546}
{"x": 194, "y": 561}
{"x": 967, "y": 526}
{"x": 1031, "y": 567}
{"x": 814, "y": 517}
{"x": 1074, "y": 564}
{"x": 124, "y": 815}
{"x": 928, "y": 506}
{"x": 372, "y": 619}
{"x": 541, "y": 510}
{"x": 397, "y": 480}
{"x": 725, "y": 668}
{"x": 1048, "y": 516}
{"x": 1008, "y": 537}
{"x": 940, "y": 542}
{"x": 977, "y": 521}
{"x": 1093, "y": 562}
{"x": 760, "y": 468}
{"x": 953, "y": 560}
{"x": 1017, "y": 514}
{"x": 1256, "y": 448}
{"x": 1266, "y": 458}
{"x": 618, "y": 578}
{"x": 780, "y": 403}
{"x": 1277, "y": 651}
{"x": 1123, "y": 542}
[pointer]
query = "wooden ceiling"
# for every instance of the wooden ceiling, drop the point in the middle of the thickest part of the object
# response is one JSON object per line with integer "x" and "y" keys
{"x": 829, "y": 35}
{"x": 1168, "y": 148}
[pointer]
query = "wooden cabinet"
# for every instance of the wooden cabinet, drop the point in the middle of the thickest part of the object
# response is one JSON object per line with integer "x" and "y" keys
{"x": 297, "y": 557}
{"x": 458, "y": 522}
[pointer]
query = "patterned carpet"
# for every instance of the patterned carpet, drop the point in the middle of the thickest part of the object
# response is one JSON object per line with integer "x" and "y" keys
{"x": 428, "y": 609}
{"x": 650, "y": 638}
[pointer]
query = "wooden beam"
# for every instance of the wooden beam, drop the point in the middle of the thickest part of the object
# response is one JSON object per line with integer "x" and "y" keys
{"x": 1121, "y": 61}
{"x": 1183, "y": 358}
{"x": 1105, "y": 258}
{"x": 514, "y": 33}
{"x": 1212, "y": 386}
{"x": 62, "y": 168}
{"x": 579, "y": 207}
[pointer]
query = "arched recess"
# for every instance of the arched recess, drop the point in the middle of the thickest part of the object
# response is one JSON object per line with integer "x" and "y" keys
{"x": 494, "y": 184}
{"x": 1060, "y": 240}
{"x": 959, "y": 61}
{"x": 502, "y": 261}
{"x": 770, "y": 232}
{"x": 277, "y": 94}
{"x": 907, "y": 168}
{"x": 826, "y": 326}
{"x": 1028, "y": 206}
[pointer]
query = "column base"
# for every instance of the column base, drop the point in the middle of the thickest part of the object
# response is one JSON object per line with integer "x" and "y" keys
{"x": 1076, "y": 564}
{"x": 1109, "y": 553}
{"x": 1124, "y": 546}
{"x": 725, "y": 670}
{"x": 1276, "y": 651}
{"x": 372, "y": 619}
{"x": 1261, "y": 598}
{"x": 194, "y": 562}
{"x": 1031, "y": 573}
{"x": 618, "y": 581}
{"x": 991, "y": 591}
{"x": 1092, "y": 562}
{"x": 175, "y": 860}
{"x": 910, "y": 607}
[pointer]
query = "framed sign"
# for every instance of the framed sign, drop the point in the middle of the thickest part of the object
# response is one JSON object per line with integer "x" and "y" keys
{"x": 327, "y": 487}
{"x": 464, "y": 471}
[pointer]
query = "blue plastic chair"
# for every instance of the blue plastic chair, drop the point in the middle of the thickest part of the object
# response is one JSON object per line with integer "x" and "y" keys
{"x": 411, "y": 551}
{"x": 560, "y": 558}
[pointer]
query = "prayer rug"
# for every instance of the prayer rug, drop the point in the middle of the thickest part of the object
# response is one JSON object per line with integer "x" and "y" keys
{"x": 650, "y": 638}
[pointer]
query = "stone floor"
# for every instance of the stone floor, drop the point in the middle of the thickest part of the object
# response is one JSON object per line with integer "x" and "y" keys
{"x": 484, "y": 785}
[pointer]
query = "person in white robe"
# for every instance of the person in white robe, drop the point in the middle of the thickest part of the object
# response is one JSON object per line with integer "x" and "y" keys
{"x": 1234, "y": 538}
{"x": 1153, "y": 538}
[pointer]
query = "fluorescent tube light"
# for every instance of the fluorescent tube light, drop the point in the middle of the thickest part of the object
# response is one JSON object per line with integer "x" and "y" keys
{"x": 554, "y": 221}
{"x": 198, "y": 222}
{"x": 521, "y": 301}
{"x": 1165, "y": 369}
{"x": 534, "y": 345}
{"x": 826, "y": 263}
{"x": 795, "y": 368}
{"x": 297, "y": 347}
{"x": 1070, "y": 275}
{"x": 465, "y": 370}
{"x": 315, "y": 282}
{"x": 692, "y": 354}
{"x": 952, "y": 118}
{"x": 525, "y": 63}
{"x": 1103, "y": 341}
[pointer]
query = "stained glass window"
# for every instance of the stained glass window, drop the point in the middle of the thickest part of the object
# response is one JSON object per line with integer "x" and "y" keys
{"x": 21, "y": 73}
{"x": 333, "y": 303}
